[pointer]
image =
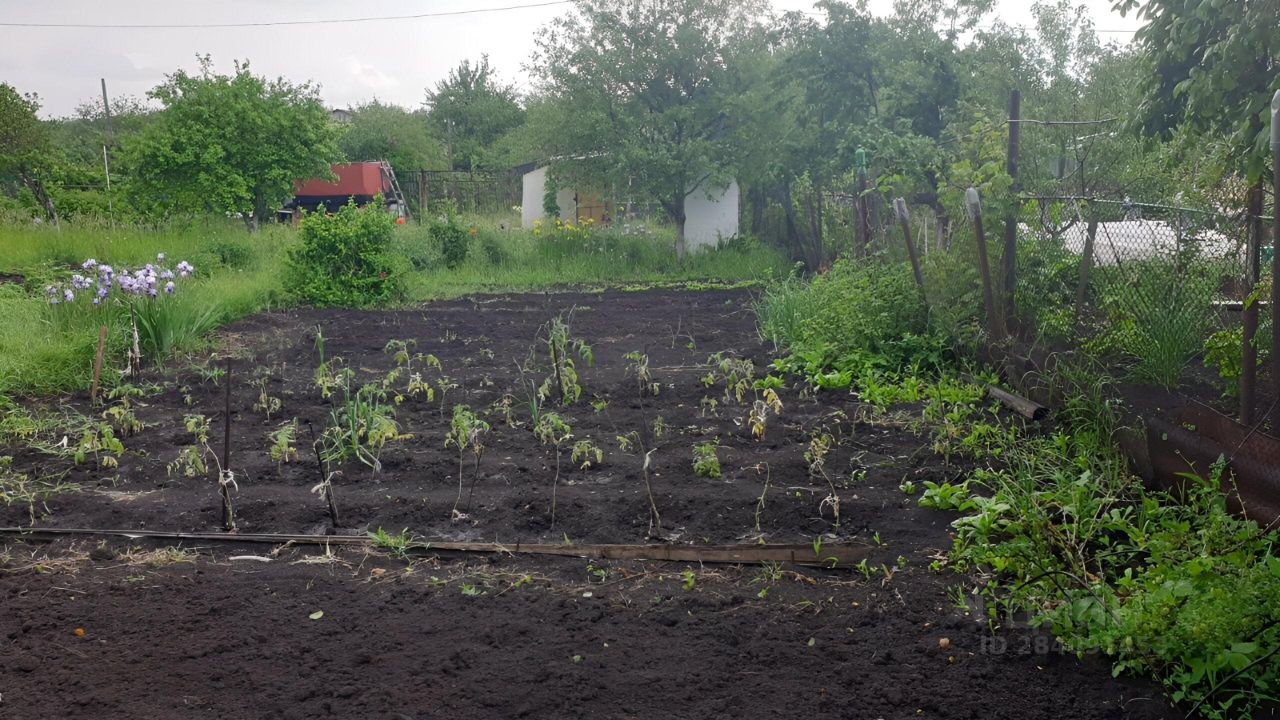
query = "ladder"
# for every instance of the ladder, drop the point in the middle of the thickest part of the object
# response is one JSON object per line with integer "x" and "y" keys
{"x": 389, "y": 180}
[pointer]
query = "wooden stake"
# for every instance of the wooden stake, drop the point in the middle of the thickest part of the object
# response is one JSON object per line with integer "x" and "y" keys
{"x": 973, "y": 204}
{"x": 225, "y": 476}
{"x": 1086, "y": 267}
{"x": 97, "y": 363}
{"x": 900, "y": 209}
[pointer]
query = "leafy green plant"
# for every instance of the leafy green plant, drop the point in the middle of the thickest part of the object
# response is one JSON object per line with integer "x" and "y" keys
{"x": 638, "y": 368}
{"x": 282, "y": 439}
{"x": 551, "y": 429}
{"x": 465, "y": 433}
{"x": 265, "y": 403}
{"x": 360, "y": 426}
{"x": 451, "y": 238}
{"x": 706, "y": 463}
{"x": 563, "y": 382}
{"x": 343, "y": 259}
{"x": 586, "y": 454}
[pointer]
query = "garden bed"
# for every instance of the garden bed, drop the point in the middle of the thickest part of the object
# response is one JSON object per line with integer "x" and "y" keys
{"x": 511, "y": 637}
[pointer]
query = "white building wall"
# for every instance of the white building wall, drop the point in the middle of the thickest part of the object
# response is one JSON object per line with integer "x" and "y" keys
{"x": 532, "y": 190}
{"x": 706, "y": 221}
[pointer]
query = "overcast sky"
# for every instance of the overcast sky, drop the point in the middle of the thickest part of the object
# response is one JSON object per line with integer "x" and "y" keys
{"x": 354, "y": 62}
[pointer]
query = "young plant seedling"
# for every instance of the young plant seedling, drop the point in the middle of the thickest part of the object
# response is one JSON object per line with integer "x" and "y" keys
{"x": 816, "y": 456}
{"x": 638, "y": 368}
{"x": 633, "y": 441}
{"x": 465, "y": 433}
{"x": 265, "y": 404}
{"x": 190, "y": 461}
{"x": 282, "y": 440}
{"x": 586, "y": 455}
{"x": 563, "y": 382}
{"x": 361, "y": 426}
{"x": 551, "y": 429}
{"x": 706, "y": 463}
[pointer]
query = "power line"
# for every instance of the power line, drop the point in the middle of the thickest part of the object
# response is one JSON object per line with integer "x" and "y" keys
{"x": 335, "y": 21}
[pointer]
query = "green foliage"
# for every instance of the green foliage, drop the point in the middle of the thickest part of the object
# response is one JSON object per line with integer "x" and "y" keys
{"x": 1224, "y": 352}
{"x": 706, "y": 463}
{"x": 361, "y": 424}
{"x": 344, "y": 259}
{"x": 683, "y": 65}
{"x": 471, "y": 110}
{"x": 379, "y": 131}
{"x": 858, "y": 316}
{"x": 232, "y": 143}
{"x": 1205, "y": 67}
{"x": 452, "y": 239}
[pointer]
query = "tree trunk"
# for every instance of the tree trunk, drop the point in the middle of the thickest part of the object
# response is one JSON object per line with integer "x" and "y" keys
{"x": 37, "y": 189}
{"x": 679, "y": 217}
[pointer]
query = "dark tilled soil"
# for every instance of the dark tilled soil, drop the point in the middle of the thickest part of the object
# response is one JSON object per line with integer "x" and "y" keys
{"x": 232, "y": 638}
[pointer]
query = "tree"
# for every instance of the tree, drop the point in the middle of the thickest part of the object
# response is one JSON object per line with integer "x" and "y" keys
{"x": 230, "y": 143}
{"x": 1213, "y": 65}
{"x": 24, "y": 144}
{"x": 387, "y": 132}
{"x": 655, "y": 89}
{"x": 472, "y": 109}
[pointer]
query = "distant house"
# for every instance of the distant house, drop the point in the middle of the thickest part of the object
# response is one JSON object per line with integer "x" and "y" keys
{"x": 710, "y": 214}
{"x": 342, "y": 116}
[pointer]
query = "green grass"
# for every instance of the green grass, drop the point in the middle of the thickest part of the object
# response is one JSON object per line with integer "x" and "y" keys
{"x": 516, "y": 261}
{"x": 46, "y": 350}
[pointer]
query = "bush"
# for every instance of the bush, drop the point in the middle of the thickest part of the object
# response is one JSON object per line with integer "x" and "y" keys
{"x": 452, "y": 239}
{"x": 858, "y": 315}
{"x": 234, "y": 254}
{"x": 344, "y": 260}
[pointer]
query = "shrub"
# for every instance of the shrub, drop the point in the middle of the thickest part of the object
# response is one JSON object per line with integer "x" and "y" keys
{"x": 344, "y": 260}
{"x": 858, "y": 314}
{"x": 452, "y": 239}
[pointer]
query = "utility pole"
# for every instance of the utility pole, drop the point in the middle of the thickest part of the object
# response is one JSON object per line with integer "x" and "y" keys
{"x": 106, "y": 159}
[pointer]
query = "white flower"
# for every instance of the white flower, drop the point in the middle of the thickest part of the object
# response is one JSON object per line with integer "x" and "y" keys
{"x": 90, "y": 264}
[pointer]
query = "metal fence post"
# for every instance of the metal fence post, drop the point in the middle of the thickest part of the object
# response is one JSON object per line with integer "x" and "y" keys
{"x": 1009, "y": 279}
{"x": 1248, "y": 352}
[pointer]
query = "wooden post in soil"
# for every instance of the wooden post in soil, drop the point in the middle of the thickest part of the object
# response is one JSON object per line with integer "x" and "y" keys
{"x": 97, "y": 363}
{"x": 904, "y": 218}
{"x": 1275, "y": 260}
{"x": 973, "y": 205}
{"x": 1009, "y": 260}
{"x": 1248, "y": 351}
{"x": 225, "y": 477}
{"x": 860, "y": 206}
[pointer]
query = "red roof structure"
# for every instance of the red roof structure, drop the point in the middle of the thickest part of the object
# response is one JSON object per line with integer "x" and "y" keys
{"x": 359, "y": 180}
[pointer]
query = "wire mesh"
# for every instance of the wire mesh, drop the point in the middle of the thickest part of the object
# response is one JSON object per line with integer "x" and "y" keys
{"x": 1153, "y": 285}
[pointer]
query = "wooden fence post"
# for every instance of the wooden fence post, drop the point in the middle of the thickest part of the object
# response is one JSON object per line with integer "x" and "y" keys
{"x": 904, "y": 218}
{"x": 973, "y": 205}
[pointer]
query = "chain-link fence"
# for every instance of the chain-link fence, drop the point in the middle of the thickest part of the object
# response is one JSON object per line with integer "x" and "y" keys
{"x": 1155, "y": 287}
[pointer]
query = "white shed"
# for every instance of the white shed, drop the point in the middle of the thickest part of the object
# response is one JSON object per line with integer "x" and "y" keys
{"x": 710, "y": 215}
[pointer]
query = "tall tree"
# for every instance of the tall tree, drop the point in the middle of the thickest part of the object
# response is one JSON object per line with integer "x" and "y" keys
{"x": 231, "y": 143}
{"x": 1214, "y": 64}
{"x": 655, "y": 87}
{"x": 378, "y": 131}
{"x": 24, "y": 145}
{"x": 471, "y": 110}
